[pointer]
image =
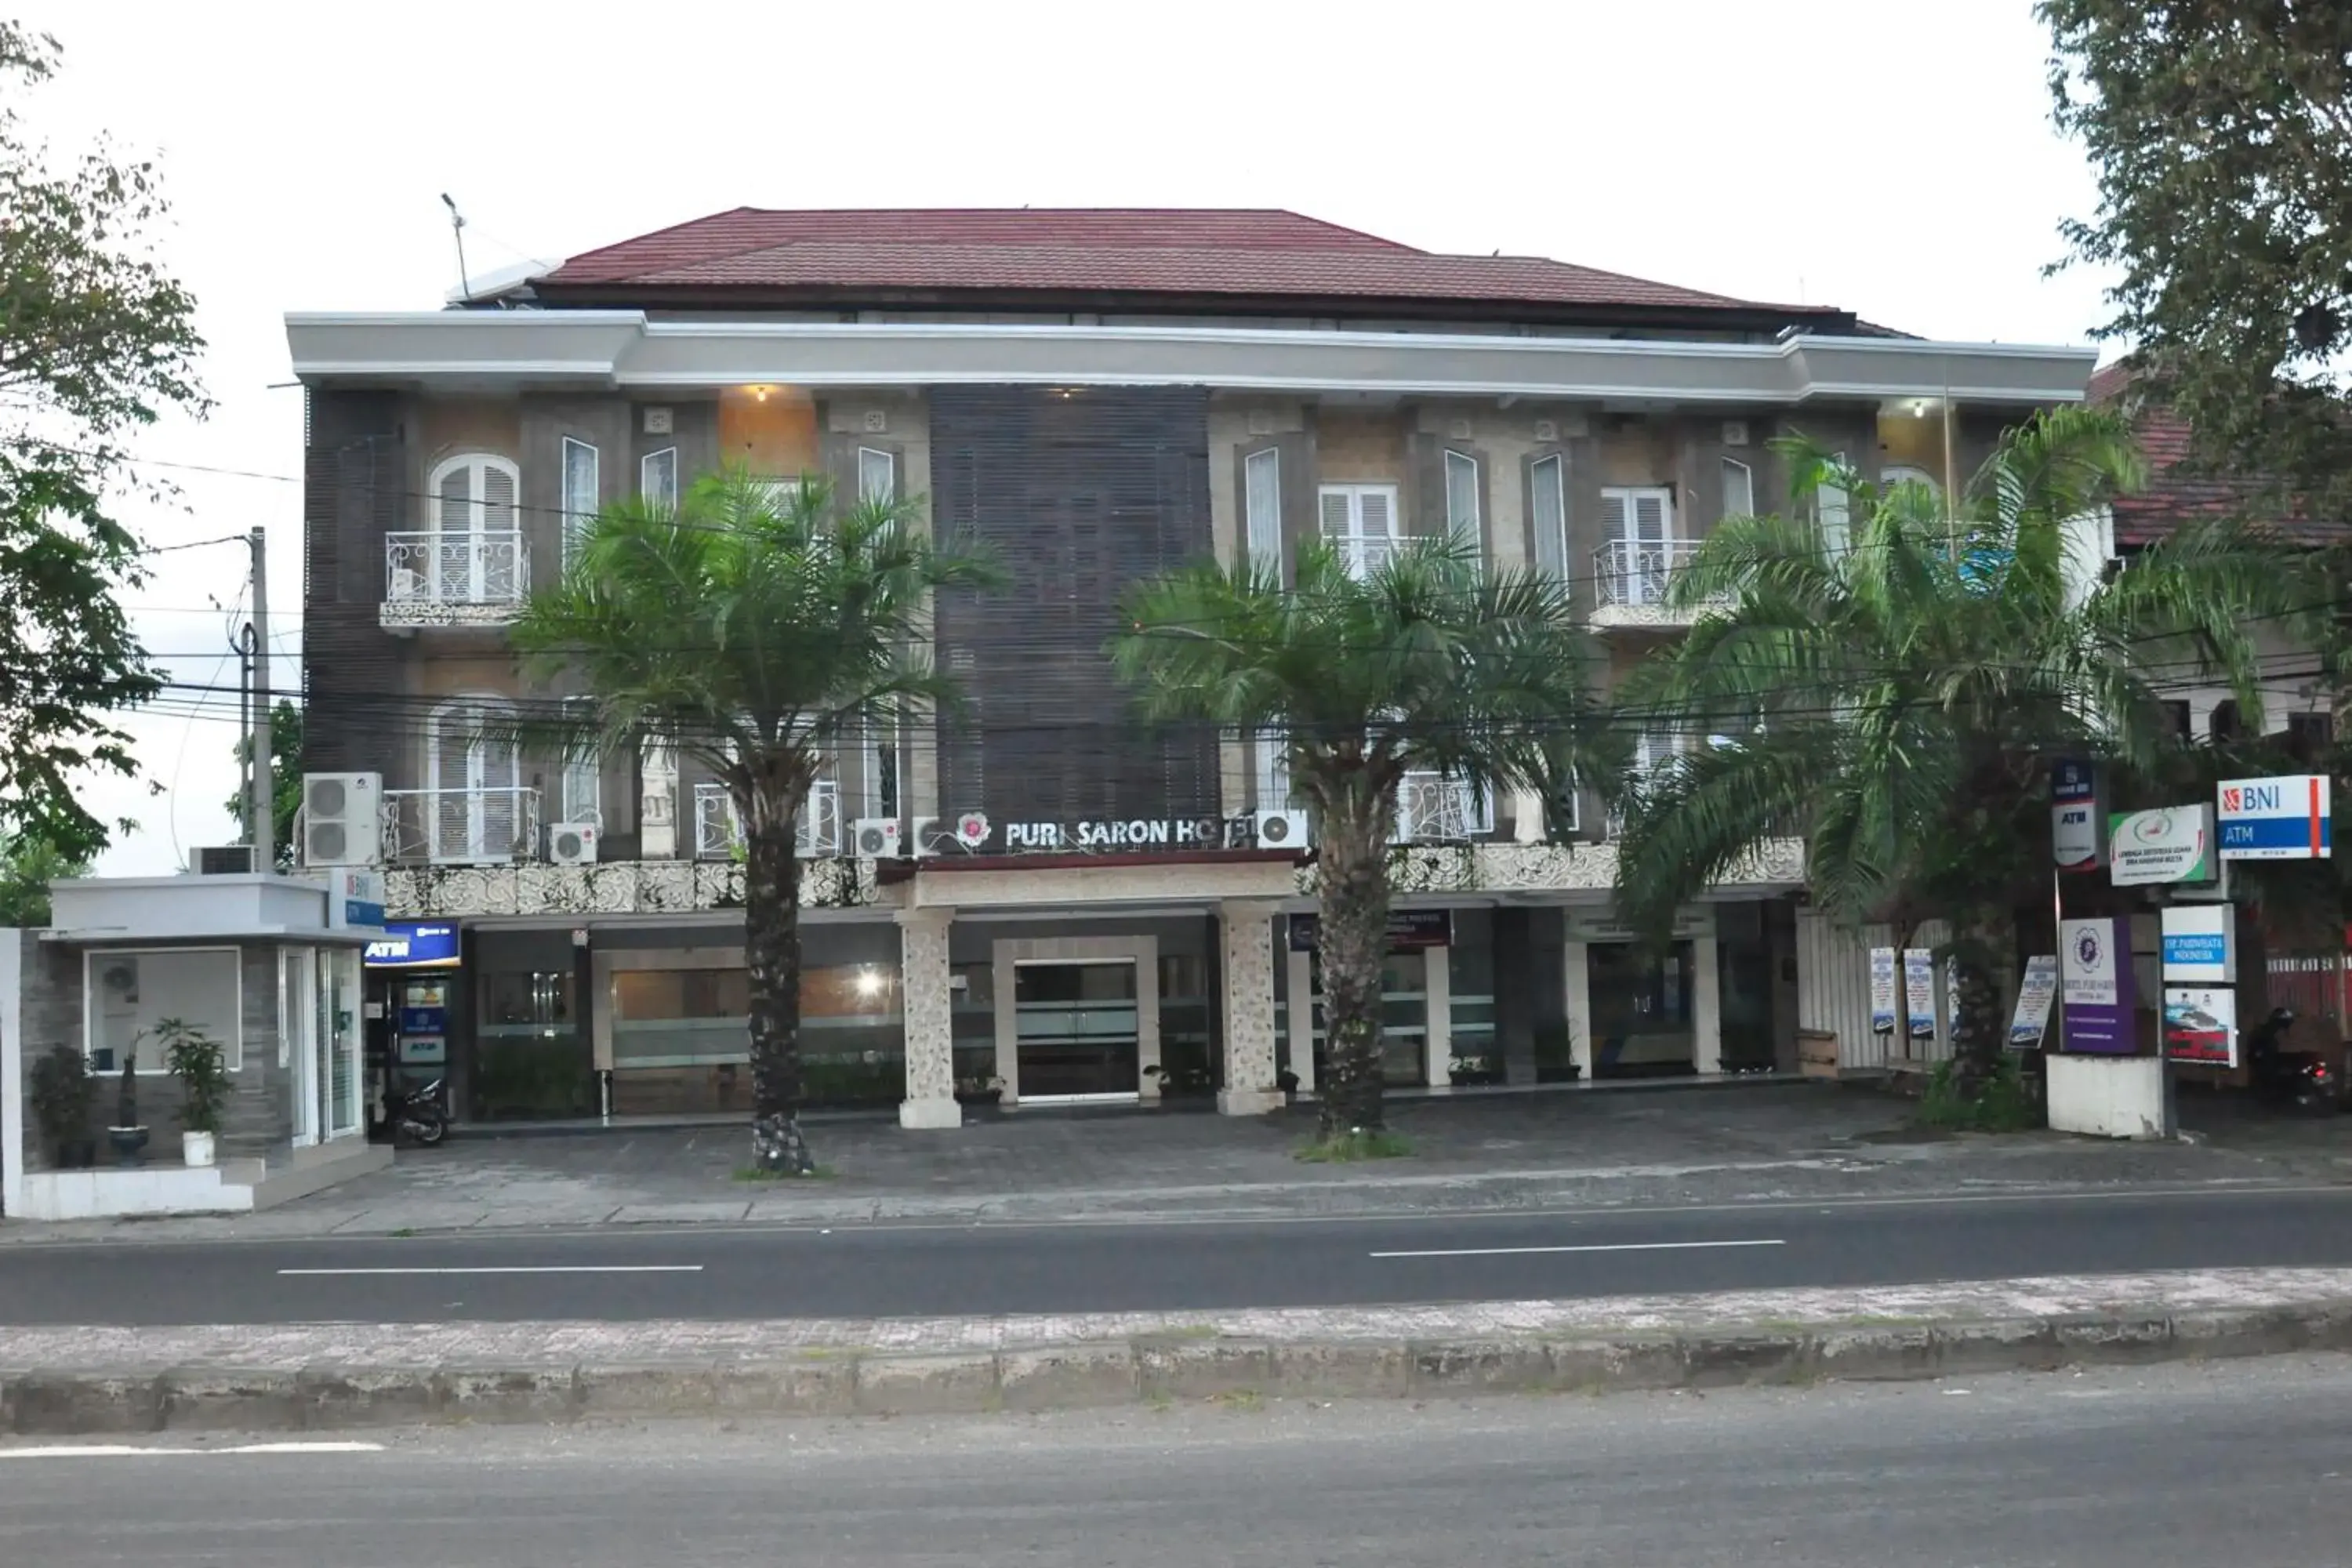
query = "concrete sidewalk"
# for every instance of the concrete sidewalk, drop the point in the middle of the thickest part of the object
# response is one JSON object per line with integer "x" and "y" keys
{"x": 1734, "y": 1143}
{"x": 341, "y": 1375}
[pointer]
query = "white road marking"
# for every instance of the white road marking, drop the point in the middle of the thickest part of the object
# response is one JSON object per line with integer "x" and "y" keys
{"x": 1612, "y": 1246}
{"x": 126, "y": 1451}
{"x": 525, "y": 1268}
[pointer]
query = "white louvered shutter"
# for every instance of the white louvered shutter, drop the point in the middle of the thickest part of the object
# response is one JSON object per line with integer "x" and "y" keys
{"x": 1262, "y": 500}
{"x": 1548, "y": 499}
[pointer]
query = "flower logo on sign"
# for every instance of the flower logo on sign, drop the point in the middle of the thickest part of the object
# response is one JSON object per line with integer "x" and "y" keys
{"x": 971, "y": 830}
{"x": 2086, "y": 949}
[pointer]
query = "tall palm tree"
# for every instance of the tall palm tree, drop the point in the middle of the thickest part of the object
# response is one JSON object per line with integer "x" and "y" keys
{"x": 1896, "y": 701}
{"x": 1419, "y": 662}
{"x": 756, "y": 631}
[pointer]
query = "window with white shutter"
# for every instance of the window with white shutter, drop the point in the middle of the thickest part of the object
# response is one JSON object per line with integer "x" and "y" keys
{"x": 475, "y": 492}
{"x": 877, "y": 474}
{"x": 1359, "y": 522}
{"x": 581, "y": 496}
{"x": 1272, "y": 769}
{"x": 657, "y": 476}
{"x": 1634, "y": 562}
{"x": 1548, "y": 508}
{"x": 1836, "y": 512}
{"x": 1462, "y": 500}
{"x": 1262, "y": 504}
{"x": 1738, "y": 489}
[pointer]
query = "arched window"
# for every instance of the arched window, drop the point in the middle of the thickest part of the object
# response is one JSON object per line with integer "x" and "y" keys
{"x": 476, "y": 554}
{"x": 480, "y": 814}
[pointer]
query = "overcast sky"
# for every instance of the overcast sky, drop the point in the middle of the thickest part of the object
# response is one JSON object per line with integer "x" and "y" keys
{"x": 1894, "y": 159}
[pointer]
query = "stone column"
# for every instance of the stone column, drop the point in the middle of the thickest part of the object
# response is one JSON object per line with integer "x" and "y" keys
{"x": 1577, "y": 976}
{"x": 1706, "y": 1008}
{"x": 1437, "y": 1039}
{"x": 929, "y": 1005}
{"x": 1247, "y": 929}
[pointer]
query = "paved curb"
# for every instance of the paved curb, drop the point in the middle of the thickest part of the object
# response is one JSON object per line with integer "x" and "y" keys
{"x": 1147, "y": 1368}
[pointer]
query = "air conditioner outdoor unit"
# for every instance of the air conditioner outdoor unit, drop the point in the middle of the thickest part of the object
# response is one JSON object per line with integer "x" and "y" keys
{"x": 342, "y": 819}
{"x": 572, "y": 844}
{"x": 1281, "y": 829}
{"x": 223, "y": 860}
{"x": 874, "y": 837}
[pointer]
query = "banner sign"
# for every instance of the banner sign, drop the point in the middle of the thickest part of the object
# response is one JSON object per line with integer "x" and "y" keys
{"x": 411, "y": 944}
{"x": 1881, "y": 990}
{"x": 1919, "y": 991}
{"x": 2031, "y": 1021}
{"x": 2149, "y": 848}
{"x": 1407, "y": 929}
{"x": 2074, "y": 816}
{"x": 2198, "y": 944}
{"x": 2287, "y": 818}
{"x": 2095, "y": 980}
{"x": 2201, "y": 1025}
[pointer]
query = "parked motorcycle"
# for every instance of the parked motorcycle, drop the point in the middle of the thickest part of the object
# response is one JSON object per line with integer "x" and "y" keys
{"x": 416, "y": 1114}
{"x": 2301, "y": 1078}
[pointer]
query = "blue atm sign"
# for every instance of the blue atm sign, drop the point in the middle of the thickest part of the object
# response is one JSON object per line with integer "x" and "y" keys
{"x": 2289, "y": 818}
{"x": 412, "y": 945}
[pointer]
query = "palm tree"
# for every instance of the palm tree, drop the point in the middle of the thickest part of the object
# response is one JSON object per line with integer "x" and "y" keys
{"x": 1418, "y": 663}
{"x": 756, "y": 631}
{"x": 1897, "y": 700}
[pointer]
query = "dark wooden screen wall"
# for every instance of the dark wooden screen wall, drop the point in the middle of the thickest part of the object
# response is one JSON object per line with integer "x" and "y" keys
{"x": 1078, "y": 496}
{"x": 355, "y": 478}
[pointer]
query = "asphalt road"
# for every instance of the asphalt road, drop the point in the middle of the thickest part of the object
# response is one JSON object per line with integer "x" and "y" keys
{"x": 2241, "y": 1463}
{"x": 618, "y": 1274}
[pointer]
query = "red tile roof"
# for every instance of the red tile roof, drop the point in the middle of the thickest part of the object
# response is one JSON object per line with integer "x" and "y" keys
{"x": 1261, "y": 254}
{"x": 2174, "y": 496}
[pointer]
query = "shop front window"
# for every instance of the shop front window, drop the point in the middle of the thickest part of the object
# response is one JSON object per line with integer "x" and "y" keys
{"x": 1642, "y": 1010}
{"x": 1470, "y": 973}
{"x": 972, "y": 1019}
{"x": 1188, "y": 1063}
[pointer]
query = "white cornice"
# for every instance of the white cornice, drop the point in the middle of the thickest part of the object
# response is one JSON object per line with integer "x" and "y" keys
{"x": 462, "y": 349}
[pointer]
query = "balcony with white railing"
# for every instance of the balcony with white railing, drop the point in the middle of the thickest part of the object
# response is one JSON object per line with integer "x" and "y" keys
{"x": 1434, "y": 809}
{"x": 719, "y": 829}
{"x": 480, "y": 577}
{"x": 1630, "y": 584}
{"x": 485, "y": 827}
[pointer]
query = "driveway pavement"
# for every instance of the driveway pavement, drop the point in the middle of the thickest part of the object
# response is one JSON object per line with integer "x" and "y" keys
{"x": 1666, "y": 1147}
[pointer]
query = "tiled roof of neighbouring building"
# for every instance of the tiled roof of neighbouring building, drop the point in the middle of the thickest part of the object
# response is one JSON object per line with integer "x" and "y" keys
{"x": 2173, "y": 496}
{"x": 1262, "y": 254}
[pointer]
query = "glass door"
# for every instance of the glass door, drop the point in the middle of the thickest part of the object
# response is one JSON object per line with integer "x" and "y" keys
{"x": 530, "y": 1057}
{"x": 1075, "y": 1031}
{"x": 1642, "y": 1024}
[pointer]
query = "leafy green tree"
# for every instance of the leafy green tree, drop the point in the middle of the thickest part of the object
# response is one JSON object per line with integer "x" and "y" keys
{"x": 758, "y": 633}
{"x": 285, "y": 784}
{"x": 2221, "y": 131}
{"x": 27, "y": 867}
{"x": 1898, "y": 703}
{"x": 1420, "y": 663}
{"x": 95, "y": 340}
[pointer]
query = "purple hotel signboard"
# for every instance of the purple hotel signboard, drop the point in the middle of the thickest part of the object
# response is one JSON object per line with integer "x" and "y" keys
{"x": 2094, "y": 974}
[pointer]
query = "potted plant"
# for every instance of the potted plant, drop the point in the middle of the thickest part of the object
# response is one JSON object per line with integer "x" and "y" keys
{"x": 986, "y": 1090}
{"x": 196, "y": 1060}
{"x": 127, "y": 1133}
{"x": 63, "y": 1093}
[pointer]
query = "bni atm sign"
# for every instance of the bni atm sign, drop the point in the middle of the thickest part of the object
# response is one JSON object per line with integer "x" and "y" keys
{"x": 2289, "y": 818}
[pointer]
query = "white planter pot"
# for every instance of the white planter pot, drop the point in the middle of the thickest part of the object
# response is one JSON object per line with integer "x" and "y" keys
{"x": 196, "y": 1148}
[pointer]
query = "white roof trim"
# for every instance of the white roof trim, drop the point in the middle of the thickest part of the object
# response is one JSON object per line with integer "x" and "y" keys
{"x": 610, "y": 350}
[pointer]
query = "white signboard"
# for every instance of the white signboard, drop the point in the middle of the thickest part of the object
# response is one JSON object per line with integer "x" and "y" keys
{"x": 2087, "y": 962}
{"x": 1881, "y": 990}
{"x": 1919, "y": 992}
{"x": 2286, "y": 818}
{"x": 2199, "y": 948}
{"x": 2031, "y": 1021}
{"x": 2149, "y": 848}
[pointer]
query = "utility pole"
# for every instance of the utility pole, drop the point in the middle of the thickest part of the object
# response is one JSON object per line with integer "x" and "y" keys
{"x": 265, "y": 850}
